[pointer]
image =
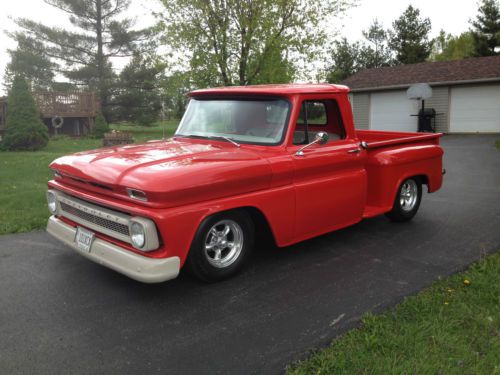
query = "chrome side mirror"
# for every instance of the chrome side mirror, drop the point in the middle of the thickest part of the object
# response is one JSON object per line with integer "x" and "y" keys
{"x": 321, "y": 138}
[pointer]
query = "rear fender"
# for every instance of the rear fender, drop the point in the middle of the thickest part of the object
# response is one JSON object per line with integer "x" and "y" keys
{"x": 387, "y": 169}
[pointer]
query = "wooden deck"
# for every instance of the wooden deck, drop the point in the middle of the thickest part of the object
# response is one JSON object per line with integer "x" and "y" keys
{"x": 77, "y": 107}
{"x": 66, "y": 104}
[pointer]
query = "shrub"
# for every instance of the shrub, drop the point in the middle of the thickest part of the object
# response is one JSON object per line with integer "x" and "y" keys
{"x": 100, "y": 126}
{"x": 24, "y": 130}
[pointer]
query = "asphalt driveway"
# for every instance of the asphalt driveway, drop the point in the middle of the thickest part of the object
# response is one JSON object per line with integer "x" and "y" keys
{"x": 60, "y": 313}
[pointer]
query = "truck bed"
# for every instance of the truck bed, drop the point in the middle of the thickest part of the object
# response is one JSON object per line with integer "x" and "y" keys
{"x": 378, "y": 138}
{"x": 393, "y": 156}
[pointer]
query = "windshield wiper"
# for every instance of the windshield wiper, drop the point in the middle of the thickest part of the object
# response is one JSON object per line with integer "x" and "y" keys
{"x": 225, "y": 138}
{"x": 230, "y": 140}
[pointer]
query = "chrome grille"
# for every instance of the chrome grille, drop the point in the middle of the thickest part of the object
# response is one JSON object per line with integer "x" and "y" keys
{"x": 94, "y": 217}
{"x": 90, "y": 218}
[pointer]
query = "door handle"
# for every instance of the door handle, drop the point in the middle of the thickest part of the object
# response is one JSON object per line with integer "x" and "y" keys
{"x": 354, "y": 151}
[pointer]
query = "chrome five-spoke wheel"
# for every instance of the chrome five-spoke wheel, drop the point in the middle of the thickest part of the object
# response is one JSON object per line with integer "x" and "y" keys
{"x": 221, "y": 246}
{"x": 223, "y": 243}
{"x": 407, "y": 200}
{"x": 408, "y": 195}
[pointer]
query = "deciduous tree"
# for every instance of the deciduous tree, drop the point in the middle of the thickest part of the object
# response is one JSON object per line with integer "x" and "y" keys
{"x": 245, "y": 41}
{"x": 449, "y": 47}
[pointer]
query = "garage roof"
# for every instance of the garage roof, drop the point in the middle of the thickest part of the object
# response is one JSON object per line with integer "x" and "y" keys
{"x": 478, "y": 69}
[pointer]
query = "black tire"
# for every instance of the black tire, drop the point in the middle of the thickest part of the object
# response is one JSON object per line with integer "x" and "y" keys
{"x": 401, "y": 210}
{"x": 203, "y": 263}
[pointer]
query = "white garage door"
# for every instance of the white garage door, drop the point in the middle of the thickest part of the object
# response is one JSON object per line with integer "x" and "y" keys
{"x": 391, "y": 110}
{"x": 475, "y": 109}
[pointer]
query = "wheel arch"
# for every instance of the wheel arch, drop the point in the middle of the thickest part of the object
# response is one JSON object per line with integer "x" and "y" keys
{"x": 263, "y": 227}
{"x": 422, "y": 177}
{"x": 424, "y": 180}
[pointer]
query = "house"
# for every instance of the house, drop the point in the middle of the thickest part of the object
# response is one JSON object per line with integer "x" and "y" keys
{"x": 77, "y": 109}
{"x": 465, "y": 96}
{"x": 73, "y": 112}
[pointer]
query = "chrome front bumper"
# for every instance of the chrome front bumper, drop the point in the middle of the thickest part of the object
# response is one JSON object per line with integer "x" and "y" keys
{"x": 137, "y": 267}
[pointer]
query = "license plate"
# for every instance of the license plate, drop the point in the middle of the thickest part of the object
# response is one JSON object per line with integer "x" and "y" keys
{"x": 84, "y": 239}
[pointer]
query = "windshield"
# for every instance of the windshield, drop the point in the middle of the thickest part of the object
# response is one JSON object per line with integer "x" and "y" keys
{"x": 257, "y": 121}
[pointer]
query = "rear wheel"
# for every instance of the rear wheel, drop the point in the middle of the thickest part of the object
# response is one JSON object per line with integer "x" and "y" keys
{"x": 407, "y": 200}
{"x": 221, "y": 246}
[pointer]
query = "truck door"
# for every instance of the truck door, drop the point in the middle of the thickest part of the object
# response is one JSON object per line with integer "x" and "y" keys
{"x": 329, "y": 179}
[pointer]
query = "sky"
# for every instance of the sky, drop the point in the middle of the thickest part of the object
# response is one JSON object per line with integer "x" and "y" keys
{"x": 451, "y": 15}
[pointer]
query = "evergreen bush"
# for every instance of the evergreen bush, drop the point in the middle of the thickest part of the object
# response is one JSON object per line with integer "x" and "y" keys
{"x": 100, "y": 126}
{"x": 24, "y": 129}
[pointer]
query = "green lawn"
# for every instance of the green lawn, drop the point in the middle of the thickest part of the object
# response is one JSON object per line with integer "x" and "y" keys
{"x": 497, "y": 143}
{"x": 451, "y": 328}
{"x": 24, "y": 176}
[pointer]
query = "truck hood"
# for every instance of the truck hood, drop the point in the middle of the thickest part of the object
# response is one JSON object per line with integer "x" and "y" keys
{"x": 171, "y": 173}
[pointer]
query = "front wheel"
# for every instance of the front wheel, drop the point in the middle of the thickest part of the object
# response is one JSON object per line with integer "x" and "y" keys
{"x": 221, "y": 245}
{"x": 407, "y": 200}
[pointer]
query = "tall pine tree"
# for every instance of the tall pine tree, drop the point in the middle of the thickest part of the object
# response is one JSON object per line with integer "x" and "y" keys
{"x": 137, "y": 98}
{"x": 83, "y": 54}
{"x": 345, "y": 61}
{"x": 377, "y": 54}
{"x": 29, "y": 61}
{"x": 410, "y": 38}
{"x": 486, "y": 29}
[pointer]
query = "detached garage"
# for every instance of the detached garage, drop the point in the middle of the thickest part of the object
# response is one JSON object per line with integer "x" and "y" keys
{"x": 465, "y": 96}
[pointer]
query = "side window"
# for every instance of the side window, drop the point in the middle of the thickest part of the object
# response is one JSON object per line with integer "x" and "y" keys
{"x": 316, "y": 113}
{"x": 321, "y": 116}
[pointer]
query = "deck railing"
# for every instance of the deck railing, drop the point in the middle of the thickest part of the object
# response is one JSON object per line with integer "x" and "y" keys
{"x": 66, "y": 104}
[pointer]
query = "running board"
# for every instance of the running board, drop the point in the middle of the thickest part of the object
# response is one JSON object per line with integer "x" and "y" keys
{"x": 371, "y": 211}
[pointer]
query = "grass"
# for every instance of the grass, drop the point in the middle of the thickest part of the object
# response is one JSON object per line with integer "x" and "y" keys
{"x": 497, "y": 143}
{"x": 451, "y": 328}
{"x": 146, "y": 133}
{"x": 24, "y": 176}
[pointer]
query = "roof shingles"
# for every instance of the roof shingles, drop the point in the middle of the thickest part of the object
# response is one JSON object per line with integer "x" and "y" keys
{"x": 479, "y": 68}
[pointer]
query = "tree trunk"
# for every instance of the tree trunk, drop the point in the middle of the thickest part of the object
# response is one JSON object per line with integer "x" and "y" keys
{"x": 100, "y": 56}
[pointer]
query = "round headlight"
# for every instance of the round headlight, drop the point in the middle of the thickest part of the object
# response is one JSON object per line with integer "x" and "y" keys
{"x": 52, "y": 202}
{"x": 137, "y": 235}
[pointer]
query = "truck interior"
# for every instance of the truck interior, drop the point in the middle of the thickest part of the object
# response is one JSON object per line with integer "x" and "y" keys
{"x": 318, "y": 116}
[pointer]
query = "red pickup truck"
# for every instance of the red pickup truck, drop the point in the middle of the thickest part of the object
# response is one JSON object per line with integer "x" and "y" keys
{"x": 283, "y": 158}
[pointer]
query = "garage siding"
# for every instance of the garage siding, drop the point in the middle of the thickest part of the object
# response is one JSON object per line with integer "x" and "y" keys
{"x": 361, "y": 110}
{"x": 440, "y": 101}
{"x": 460, "y": 108}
